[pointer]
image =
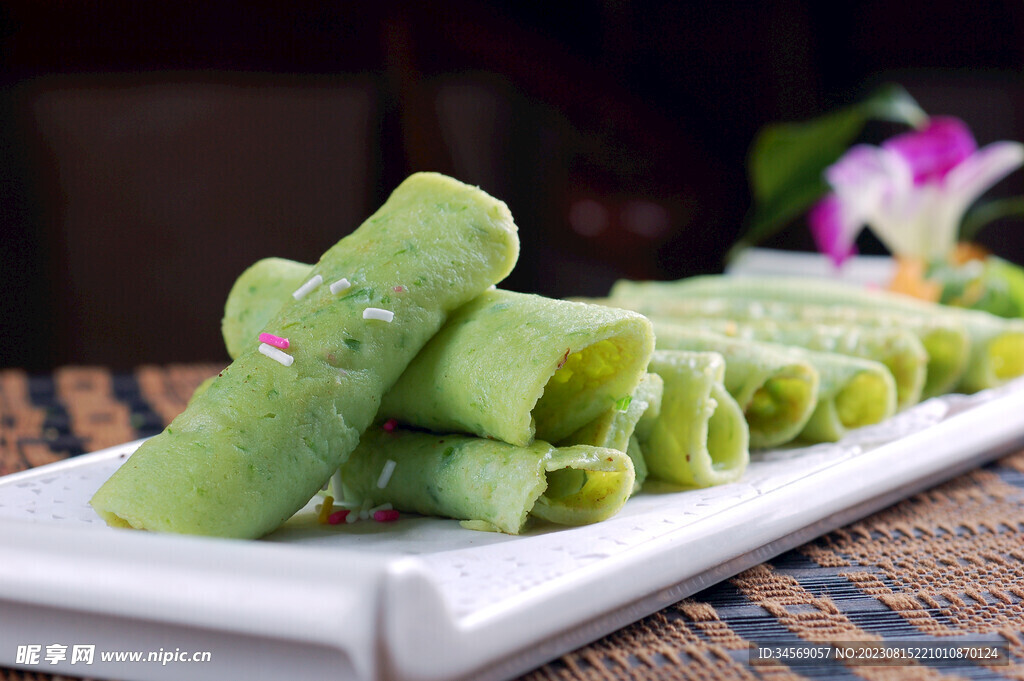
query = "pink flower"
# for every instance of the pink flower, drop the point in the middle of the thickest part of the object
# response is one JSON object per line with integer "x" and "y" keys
{"x": 912, "y": 191}
{"x": 935, "y": 150}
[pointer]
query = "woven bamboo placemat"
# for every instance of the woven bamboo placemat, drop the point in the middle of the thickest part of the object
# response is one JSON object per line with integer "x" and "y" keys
{"x": 944, "y": 566}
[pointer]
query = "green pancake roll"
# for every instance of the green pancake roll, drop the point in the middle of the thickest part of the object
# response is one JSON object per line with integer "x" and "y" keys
{"x": 515, "y": 367}
{"x": 642, "y": 430}
{"x": 650, "y": 414}
{"x": 997, "y": 350}
{"x": 776, "y": 391}
{"x": 491, "y": 484}
{"x": 852, "y": 392}
{"x": 996, "y": 344}
{"x": 635, "y": 453}
{"x": 616, "y": 427}
{"x": 256, "y": 296}
{"x": 945, "y": 340}
{"x": 266, "y": 435}
{"x": 900, "y": 350}
{"x": 700, "y": 437}
{"x": 510, "y": 366}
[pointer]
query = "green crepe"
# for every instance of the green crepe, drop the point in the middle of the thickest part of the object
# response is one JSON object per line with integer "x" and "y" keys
{"x": 636, "y": 455}
{"x": 699, "y": 437}
{"x": 515, "y": 367}
{"x": 898, "y": 349}
{"x": 997, "y": 344}
{"x": 776, "y": 391}
{"x": 263, "y": 437}
{"x": 509, "y": 366}
{"x": 615, "y": 428}
{"x": 945, "y": 340}
{"x": 852, "y": 392}
{"x": 256, "y": 296}
{"x": 493, "y": 484}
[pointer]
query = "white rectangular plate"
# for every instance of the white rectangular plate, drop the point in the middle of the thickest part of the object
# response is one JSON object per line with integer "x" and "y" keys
{"x": 422, "y": 598}
{"x": 863, "y": 270}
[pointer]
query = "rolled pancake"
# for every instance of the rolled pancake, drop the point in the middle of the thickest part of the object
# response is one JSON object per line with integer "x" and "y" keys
{"x": 996, "y": 344}
{"x": 493, "y": 484}
{"x": 263, "y": 438}
{"x": 945, "y": 340}
{"x": 255, "y": 297}
{"x": 851, "y": 393}
{"x": 509, "y": 366}
{"x": 515, "y": 367}
{"x": 700, "y": 437}
{"x": 636, "y": 455}
{"x": 615, "y": 428}
{"x": 900, "y": 350}
{"x": 776, "y": 391}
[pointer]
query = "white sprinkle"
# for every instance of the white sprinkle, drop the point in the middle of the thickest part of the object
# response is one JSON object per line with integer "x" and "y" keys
{"x": 352, "y": 516}
{"x": 385, "y": 474}
{"x": 386, "y": 506}
{"x": 301, "y": 292}
{"x": 275, "y": 354}
{"x": 378, "y": 313}
{"x": 341, "y": 285}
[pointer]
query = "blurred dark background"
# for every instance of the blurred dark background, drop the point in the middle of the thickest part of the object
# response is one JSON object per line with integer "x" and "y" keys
{"x": 152, "y": 151}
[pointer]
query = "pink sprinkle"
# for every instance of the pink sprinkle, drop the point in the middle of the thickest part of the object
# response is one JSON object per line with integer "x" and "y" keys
{"x": 337, "y": 517}
{"x": 399, "y": 289}
{"x": 388, "y": 516}
{"x": 390, "y": 425}
{"x": 276, "y": 341}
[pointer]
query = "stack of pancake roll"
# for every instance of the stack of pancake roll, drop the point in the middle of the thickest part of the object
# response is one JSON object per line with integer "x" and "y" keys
{"x": 394, "y": 376}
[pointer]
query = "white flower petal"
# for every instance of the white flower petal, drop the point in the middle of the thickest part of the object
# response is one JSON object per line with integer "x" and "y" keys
{"x": 876, "y": 186}
{"x": 966, "y": 182}
{"x": 982, "y": 169}
{"x": 860, "y": 180}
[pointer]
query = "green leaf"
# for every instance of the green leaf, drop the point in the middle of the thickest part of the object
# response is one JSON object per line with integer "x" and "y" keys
{"x": 984, "y": 212}
{"x": 787, "y": 160}
{"x": 786, "y": 155}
